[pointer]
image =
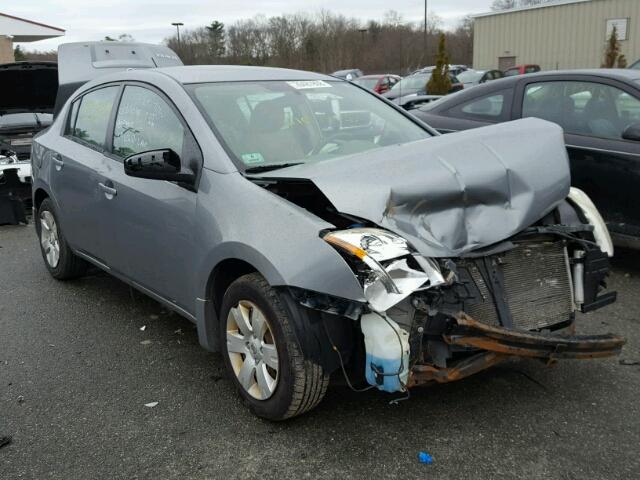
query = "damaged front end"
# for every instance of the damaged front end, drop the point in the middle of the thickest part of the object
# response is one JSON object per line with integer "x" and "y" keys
{"x": 442, "y": 319}
{"x": 470, "y": 248}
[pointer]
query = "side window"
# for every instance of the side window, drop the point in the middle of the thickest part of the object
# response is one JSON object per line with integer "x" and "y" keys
{"x": 486, "y": 106}
{"x": 490, "y": 108}
{"x": 146, "y": 122}
{"x": 582, "y": 108}
{"x": 92, "y": 117}
{"x": 73, "y": 116}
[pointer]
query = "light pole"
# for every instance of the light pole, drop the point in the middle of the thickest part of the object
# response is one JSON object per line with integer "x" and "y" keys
{"x": 425, "y": 27}
{"x": 178, "y": 25}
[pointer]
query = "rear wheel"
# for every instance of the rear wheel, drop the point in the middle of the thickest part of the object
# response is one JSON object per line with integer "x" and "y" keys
{"x": 61, "y": 262}
{"x": 263, "y": 355}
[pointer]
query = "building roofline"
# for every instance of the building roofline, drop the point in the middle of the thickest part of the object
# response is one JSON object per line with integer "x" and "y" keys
{"x": 556, "y": 3}
{"x": 32, "y": 22}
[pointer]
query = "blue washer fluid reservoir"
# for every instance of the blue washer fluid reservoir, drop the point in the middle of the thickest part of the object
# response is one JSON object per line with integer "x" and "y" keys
{"x": 387, "y": 351}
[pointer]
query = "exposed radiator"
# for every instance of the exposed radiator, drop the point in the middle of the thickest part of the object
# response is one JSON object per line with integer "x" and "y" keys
{"x": 537, "y": 284}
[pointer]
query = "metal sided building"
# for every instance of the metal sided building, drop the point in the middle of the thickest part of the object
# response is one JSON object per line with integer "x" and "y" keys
{"x": 557, "y": 35}
{"x": 16, "y": 30}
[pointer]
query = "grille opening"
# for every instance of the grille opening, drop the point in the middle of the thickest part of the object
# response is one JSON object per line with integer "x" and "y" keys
{"x": 537, "y": 283}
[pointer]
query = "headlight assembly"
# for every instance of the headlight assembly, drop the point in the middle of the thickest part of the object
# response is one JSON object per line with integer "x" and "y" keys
{"x": 591, "y": 213}
{"x": 386, "y": 256}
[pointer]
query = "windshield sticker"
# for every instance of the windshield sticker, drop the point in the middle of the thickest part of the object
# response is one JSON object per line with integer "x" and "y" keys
{"x": 304, "y": 84}
{"x": 252, "y": 158}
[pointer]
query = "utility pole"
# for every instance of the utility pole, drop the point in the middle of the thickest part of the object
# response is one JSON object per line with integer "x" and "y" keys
{"x": 178, "y": 25}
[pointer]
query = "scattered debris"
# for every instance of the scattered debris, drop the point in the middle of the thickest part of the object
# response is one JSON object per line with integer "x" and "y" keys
{"x": 151, "y": 405}
{"x": 143, "y": 328}
{"x": 424, "y": 457}
{"x": 4, "y": 441}
{"x": 178, "y": 331}
{"x": 146, "y": 342}
{"x": 626, "y": 361}
{"x": 20, "y": 399}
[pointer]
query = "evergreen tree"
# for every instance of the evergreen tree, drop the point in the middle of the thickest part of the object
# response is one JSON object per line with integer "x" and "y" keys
{"x": 440, "y": 83}
{"x": 612, "y": 56}
{"x": 216, "y": 35}
{"x": 18, "y": 54}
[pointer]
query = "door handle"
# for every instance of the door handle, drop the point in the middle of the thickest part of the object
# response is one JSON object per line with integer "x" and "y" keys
{"x": 109, "y": 192}
{"x": 57, "y": 160}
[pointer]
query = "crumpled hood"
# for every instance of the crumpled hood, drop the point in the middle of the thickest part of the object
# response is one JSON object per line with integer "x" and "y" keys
{"x": 453, "y": 193}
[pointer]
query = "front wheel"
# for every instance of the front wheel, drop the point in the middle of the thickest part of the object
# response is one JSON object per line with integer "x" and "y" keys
{"x": 263, "y": 355}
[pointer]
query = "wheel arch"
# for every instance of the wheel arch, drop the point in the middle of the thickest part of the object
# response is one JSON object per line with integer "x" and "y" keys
{"x": 39, "y": 195}
{"x": 226, "y": 263}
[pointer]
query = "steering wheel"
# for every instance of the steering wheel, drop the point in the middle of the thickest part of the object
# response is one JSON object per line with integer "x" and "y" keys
{"x": 334, "y": 139}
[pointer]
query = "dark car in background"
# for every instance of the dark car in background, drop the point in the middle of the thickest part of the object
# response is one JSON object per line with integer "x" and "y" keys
{"x": 471, "y": 78}
{"x": 416, "y": 84}
{"x": 348, "y": 74}
{"x": 521, "y": 70}
{"x": 599, "y": 111}
{"x": 378, "y": 83}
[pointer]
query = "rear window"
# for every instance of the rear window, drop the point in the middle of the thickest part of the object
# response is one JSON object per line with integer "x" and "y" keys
{"x": 92, "y": 116}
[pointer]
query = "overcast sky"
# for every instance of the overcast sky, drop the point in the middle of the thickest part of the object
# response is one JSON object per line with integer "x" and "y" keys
{"x": 150, "y": 20}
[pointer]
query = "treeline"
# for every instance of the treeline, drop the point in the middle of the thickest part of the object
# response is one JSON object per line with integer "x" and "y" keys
{"x": 324, "y": 42}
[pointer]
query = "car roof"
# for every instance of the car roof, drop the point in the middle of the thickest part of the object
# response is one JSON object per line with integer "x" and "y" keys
{"x": 378, "y": 75}
{"x": 236, "y": 73}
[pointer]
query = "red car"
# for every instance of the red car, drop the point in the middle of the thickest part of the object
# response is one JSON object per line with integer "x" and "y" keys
{"x": 521, "y": 70}
{"x": 378, "y": 83}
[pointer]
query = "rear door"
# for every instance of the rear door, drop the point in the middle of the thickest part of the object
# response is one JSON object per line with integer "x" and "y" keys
{"x": 75, "y": 160}
{"x": 151, "y": 221}
{"x": 594, "y": 112}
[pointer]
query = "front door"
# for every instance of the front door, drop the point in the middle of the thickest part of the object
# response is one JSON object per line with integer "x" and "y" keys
{"x": 594, "y": 115}
{"x": 152, "y": 220}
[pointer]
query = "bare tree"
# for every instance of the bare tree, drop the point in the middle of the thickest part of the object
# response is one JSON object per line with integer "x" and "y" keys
{"x": 508, "y": 4}
{"x": 322, "y": 42}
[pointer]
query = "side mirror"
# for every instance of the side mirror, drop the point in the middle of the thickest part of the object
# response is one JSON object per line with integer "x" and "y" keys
{"x": 632, "y": 132}
{"x": 157, "y": 165}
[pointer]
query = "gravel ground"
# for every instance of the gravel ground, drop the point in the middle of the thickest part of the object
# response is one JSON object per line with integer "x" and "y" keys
{"x": 76, "y": 372}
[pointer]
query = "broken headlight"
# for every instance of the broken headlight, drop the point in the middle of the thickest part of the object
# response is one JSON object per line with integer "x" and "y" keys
{"x": 393, "y": 269}
{"x": 591, "y": 213}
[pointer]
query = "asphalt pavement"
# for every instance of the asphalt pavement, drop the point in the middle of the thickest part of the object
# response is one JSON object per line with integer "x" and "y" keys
{"x": 76, "y": 370}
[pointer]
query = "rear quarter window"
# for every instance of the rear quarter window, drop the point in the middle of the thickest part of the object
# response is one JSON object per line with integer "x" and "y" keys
{"x": 493, "y": 107}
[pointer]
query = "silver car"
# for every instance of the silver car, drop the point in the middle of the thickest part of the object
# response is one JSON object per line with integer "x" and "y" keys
{"x": 307, "y": 227}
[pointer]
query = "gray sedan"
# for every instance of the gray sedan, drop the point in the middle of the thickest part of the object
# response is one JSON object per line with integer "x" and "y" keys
{"x": 307, "y": 226}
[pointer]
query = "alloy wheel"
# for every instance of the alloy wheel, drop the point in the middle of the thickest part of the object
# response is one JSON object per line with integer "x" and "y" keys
{"x": 252, "y": 350}
{"x": 49, "y": 238}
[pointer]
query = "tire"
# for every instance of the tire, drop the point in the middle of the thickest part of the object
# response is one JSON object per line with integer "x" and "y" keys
{"x": 67, "y": 265}
{"x": 300, "y": 384}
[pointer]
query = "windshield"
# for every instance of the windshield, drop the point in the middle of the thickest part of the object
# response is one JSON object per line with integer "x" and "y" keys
{"x": 414, "y": 82}
{"x": 369, "y": 83}
{"x": 273, "y": 123}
